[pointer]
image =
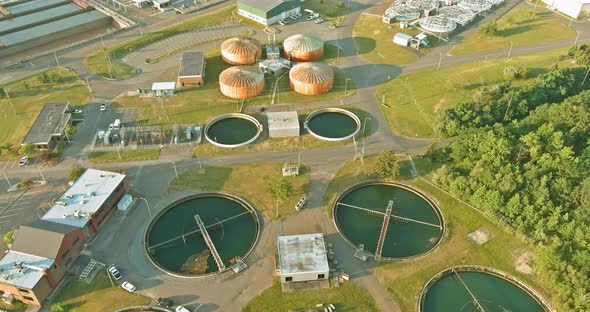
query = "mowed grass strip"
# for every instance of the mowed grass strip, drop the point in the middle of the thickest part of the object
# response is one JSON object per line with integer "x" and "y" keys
{"x": 456, "y": 248}
{"x": 414, "y": 99}
{"x": 28, "y": 96}
{"x": 199, "y": 104}
{"x": 100, "y": 295}
{"x": 522, "y": 27}
{"x": 97, "y": 62}
{"x": 374, "y": 42}
{"x": 126, "y": 155}
{"x": 249, "y": 182}
{"x": 347, "y": 297}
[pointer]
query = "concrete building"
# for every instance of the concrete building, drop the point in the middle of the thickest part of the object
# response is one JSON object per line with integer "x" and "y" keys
{"x": 302, "y": 258}
{"x": 283, "y": 124}
{"x": 49, "y": 126}
{"x": 87, "y": 202}
{"x": 571, "y": 8}
{"x": 192, "y": 69}
{"x": 268, "y": 12}
{"x": 163, "y": 88}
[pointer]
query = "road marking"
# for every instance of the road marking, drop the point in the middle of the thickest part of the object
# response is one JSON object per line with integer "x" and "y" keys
{"x": 5, "y": 164}
{"x": 14, "y": 214}
{"x": 20, "y": 203}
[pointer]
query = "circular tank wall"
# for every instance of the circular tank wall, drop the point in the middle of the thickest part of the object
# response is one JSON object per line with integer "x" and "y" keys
{"x": 241, "y": 82}
{"x": 174, "y": 242}
{"x": 311, "y": 78}
{"x": 415, "y": 227}
{"x": 303, "y": 48}
{"x": 332, "y": 124}
{"x": 241, "y": 51}
{"x": 232, "y": 130}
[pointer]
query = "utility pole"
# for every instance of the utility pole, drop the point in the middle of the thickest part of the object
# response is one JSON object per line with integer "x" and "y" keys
{"x": 586, "y": 76}
{"x": 56, "y": 59}
{"x": 439, "y": 61}
{"x": 9, "y": 100}
{"x": 346, "y": 86}
{"x": 510, "y": 50}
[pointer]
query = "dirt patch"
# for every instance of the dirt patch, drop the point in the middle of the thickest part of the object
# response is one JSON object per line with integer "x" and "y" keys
{"x": 376, "y": 32}
{"x": 480, "y": 236}
{"x": 438, "y": 106}
{"x": 522, "y": 260}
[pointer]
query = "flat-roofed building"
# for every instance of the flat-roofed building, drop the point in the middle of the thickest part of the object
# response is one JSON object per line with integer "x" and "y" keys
{"x": 302, "y": 258}
{"x": 49, "y": 126}
{"x": 283, "y": 124}
{"x": 192, "y": 69}
{"x": 571, "y": 8}
{"x": 26, "y": 277}
{"x": 268, "y": 12}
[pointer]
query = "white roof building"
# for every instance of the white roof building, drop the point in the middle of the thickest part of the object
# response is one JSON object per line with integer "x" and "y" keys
{"x": 572, "y": 8}
{"x": 302, "y": 258}
{"x": 23, "y": 270}
{"x": 84, "y": 198}
{"x": 283, "y": 124}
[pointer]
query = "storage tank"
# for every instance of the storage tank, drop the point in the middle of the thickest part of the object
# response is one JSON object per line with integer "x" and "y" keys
{"x": 303, "y": 48}
{"x": 241, "y": 82}
{"x": 311, "y": 78}
{"x": 241, "y": 51}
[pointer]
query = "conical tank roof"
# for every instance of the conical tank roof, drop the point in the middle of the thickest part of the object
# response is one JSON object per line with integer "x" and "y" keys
{"x": 241, "y": 76}
{"x": 312, "y": 72}
{"x": 303, "y": 43}
{"x": 241, "y": 46}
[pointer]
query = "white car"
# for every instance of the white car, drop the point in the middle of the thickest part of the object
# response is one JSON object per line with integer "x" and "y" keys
{"x": 23, "y": 161}
{"x": 310, "y": 17}
{"x": 103, "y": 107}
{"x": 301, "y": 203}
{"x": 111, "y": 127}
{"x": 128, "y": 286}
{"x": 115, "y": 273}
{"x": 181, "y": 309}
{"x": 319, "y": 20}
{"x": 77, "y": 111}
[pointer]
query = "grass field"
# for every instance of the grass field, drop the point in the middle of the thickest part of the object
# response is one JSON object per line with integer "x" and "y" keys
{"x": 347, "y": 297}
{"x": 28, "y": 96}
{"x": 328, "y": 9}
{"x": 500, "y": 252}
{"x": 414, "y": 99}
{"x": 199, "y": 104}
{"x": 97, "y": 64}
{"x": 250, "y": 182}
{"x": 100, "y": 295}
{"x": 127, "y": 155}
{"x": 522, "y": 27}
{"x": 16, "y": 306}
{"x": 373, "y": 41}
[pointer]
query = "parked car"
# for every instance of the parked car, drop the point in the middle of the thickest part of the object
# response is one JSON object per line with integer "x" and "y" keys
{"x": 23, "y": 161}
{"x": 310, "y": 17}
{"x": 164, "y": 302}
{"x": 111, "y": 126}
{"x": 181, "y": 309}
{"x": 332, "y": 26}
{"x": 128, "y": 287}
{"x": 319, "y": 20}
{"x": 283, "y": 22}
{"x": 103, "y": 107}
{"x": 77, "y": 111}
{"x": 301, "y": 203}
{"x": 114, "y": 272}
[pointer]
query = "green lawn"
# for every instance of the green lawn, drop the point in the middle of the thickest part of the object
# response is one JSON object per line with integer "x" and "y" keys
{"x": 28, "y": 96}
{"x": 522, "y": 27}
{"x": 347, "y": 297}
{"x": 374, "y": 42}
{"x": 16, "y": 306}
{"x": 404, "y": 280}
{"x": 328, "y": 9}
{"x": 126, "y": 155}
{"x": 414, "y": 99}
{"x": 199, "y": 104}
{"x": 97, "y": 64}
{"x": 100, "y": 295}
{"x": 250, "y": 182}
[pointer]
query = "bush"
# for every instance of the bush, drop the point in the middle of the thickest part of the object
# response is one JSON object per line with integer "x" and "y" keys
{"x": 26, "y": 149}
{"x": 9, "y": 237}
{"x": 387, "y": 166}
{"x": 582, "y": 55}
{"x": 42, "y": 77}
{"x": 76, "y": 172}
{"x": 489, "y": 29}
{"x": 25, "y": 184}
{"x": 49, "y": 158}
{"x": 515, "y": 73}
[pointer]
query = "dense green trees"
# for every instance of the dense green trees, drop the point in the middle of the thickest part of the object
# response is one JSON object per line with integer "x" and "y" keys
{"x": 523, "y": 155}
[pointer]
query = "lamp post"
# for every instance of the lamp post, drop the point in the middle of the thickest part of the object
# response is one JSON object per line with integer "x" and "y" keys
{"x": 346, "y": 85}
{"x": 174, "y": 164}
{"x": 148, "y": 206}
{"x": 365, "y": 126}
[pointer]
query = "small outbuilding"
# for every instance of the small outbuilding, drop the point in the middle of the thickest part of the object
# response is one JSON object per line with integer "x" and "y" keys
{"x": 49, "y": 127}
{"x": 571, "y": 8}
{"x": 163, "y": 88}
{"x": 402, "y": 39}
{"x": 302, "y": 258}
{"x": 192, "y": 69}
{"x": 283, "y": 124}
{"x": 161, "y": 5}
{"x": 268, "y": 12}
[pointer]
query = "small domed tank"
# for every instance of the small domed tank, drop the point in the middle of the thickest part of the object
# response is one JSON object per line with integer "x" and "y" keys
{"x": 241, "y": 82}
{"x": 241, "y": 51}
{"x": 311, "y": 78}
{"x": 303, "y": 48}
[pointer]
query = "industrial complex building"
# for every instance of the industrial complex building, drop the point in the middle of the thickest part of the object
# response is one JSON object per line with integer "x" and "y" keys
{"x": 192, "y": 69}
{"x": 49, "y": 127}
{"x": 28, "y": 24}
{"x": 44, "y": 250}
{"x": 302, "y": 258}
{"x": 571, "y": 8}
{"x": 268, "y": 12}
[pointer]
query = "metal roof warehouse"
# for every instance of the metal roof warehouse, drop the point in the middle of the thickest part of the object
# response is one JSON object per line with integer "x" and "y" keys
{"x": 49, "y": 125}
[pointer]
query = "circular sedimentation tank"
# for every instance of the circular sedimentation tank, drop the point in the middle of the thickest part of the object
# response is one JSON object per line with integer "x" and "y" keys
{"x": 241, "y": 82}
{"x": 415, "y": 226}
{"x": 241, "y": 51}
{"x": 471, "y": 288}
{"x": 311, "y": 78}
{"x": 332, "y": 124}
{"x": 303, "y": 48}
{"x": 174, "y": 242}
{"x": 232, "y": 130}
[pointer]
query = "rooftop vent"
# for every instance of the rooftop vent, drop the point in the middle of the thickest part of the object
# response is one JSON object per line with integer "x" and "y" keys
{"x": 69, "y": 196}
{"x": 61, "y": 203}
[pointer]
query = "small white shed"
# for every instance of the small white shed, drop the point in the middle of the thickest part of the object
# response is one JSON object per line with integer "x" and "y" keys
{"x": 163, "y": 88}
{"x": 125, "y": 204}
{"x": 283, "y": 124}
{"x": 302, "y": 258}
{"x": 402, "y": 39}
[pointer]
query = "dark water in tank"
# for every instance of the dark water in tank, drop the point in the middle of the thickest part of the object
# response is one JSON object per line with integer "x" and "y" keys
{"x": 232, "y": 238}
{"x": 403, "y": 238}
{"x": 232, "y": 131}
{"x": 332, "y": 125}
{"x": 493, "y": 293}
